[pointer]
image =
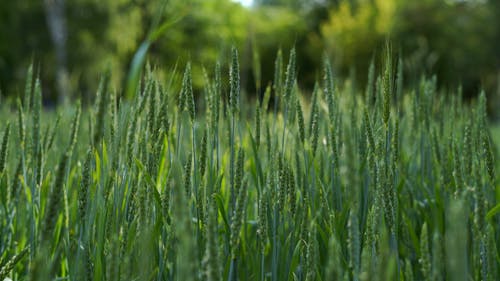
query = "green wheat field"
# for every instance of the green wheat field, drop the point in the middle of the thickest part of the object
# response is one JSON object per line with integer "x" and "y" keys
{"x": 385, "y": 184}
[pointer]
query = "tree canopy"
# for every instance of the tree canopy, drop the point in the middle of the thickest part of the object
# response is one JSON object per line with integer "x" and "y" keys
{"x": 458, "y": 40}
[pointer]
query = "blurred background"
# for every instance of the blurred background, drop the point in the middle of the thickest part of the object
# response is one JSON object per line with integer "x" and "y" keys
{"x": 72, "y": 42}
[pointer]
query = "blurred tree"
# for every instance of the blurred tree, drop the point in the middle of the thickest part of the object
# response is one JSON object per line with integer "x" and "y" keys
{"x": 354, "y": 32}
{"x": 56, "y": 20}
{"x": 495, "y": 105}
{"x": 106, "y": 33}
{"x": 454, "y": 39}
{"x": 203, "y": 33}
{"x": 265, "y": 25}
{"x": 23, "y": 35}
{"x": 99, "y": 34}
{"x": 457, "y": 39}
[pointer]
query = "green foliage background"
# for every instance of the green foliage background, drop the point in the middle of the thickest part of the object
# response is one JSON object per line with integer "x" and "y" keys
{"x": 457, "y": 40}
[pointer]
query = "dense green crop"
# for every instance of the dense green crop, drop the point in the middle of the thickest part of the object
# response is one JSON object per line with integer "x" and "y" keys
{"x": 390, "y": 185}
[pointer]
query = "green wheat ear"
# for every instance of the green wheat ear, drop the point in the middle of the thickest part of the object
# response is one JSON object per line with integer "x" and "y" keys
{"x": 212, "y": 258}
{"x": 300, "y": 122}
{"x": 387, "y": 86}
{"x": 237, "y": 218}
{"x": 187, "y": 92}
{"x": 203, "y": 153}
{"x": 9, "y": 266}
{"x": 85, "y": 186}
{"x": 282, "y": 181}
{"x": 368, "y": 130}
{"x": 314, "y": 108}
{"x": 181, "y": 97}
{"x": 262, "y": 231}
{"x": 101, "y": 106}
{"x": 4, "y": 149}
{"x": 75, "y": 125}
{"x": 314, "y": 129}
{"x": 290, "y": 76}
{"x": 187, "y": 175}
{"x": 234, "y": 78}
{"x": 21, "y": 124}
{"x": 278, "y": 75}
{"x": 291, "y": 188}
{"x": 238, "y": 181}
{"x": 164, "y": 122}
{"x": 257, "y": 123}
{"x": 28, "y": 88}
{"x": 216, "y": 99}
{"x": 152, "y": 96}
{"x": 467, "y": 146}
{"x": 13, "y": 190}
{"x": 36, "y": 148}
{"x": 329, "y": 88}
{"x": 488, "y": 154}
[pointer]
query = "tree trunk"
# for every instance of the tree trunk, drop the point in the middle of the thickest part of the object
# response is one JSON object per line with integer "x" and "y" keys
{"x": 56, "y": 21}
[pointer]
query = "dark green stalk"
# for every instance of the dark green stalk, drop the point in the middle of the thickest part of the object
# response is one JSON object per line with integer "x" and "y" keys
{"x": 236, "y": 224}
{"x": 211, "y": 258}
{"x": 262, "y": 231}
{"x": 354, "y": 245}
{"x": 456, "y": 241}
{"x": 257, "y": 123}
{"x": 216, "y": 103}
